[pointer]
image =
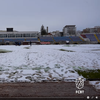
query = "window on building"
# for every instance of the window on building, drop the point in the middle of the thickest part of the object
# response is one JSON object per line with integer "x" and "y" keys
{"x": 26, "y": 35}
{"x": 11, "y": 35}
{"x": 3, "y": 35}
{"x": 33, "y": 35}
{"x": 18, "y": 35}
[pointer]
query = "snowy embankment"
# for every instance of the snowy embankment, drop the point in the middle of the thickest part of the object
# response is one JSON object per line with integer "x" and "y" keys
{"x": 47, "y": 62}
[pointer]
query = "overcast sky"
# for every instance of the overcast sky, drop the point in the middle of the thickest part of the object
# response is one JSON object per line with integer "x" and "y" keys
{"x": 29, "y": 15}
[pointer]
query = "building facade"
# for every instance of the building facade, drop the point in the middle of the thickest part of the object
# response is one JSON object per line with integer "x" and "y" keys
{"x": 22, "y": 34}
{"x": 9, "y": 33}
{"x": 69, "y": 30}
{"x": 55, "y": 33}
{"x": 96, "y": 29}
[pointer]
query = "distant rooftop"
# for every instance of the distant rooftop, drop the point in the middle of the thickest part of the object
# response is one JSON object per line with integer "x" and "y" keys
{"x": 6, "y": 31}
{"x": 70, "y": 26}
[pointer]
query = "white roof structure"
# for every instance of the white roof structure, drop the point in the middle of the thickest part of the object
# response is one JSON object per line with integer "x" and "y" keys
{"x": 19, "y": 32}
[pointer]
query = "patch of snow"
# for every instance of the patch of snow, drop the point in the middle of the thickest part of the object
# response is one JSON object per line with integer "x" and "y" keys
{"x": 96, "y": 84}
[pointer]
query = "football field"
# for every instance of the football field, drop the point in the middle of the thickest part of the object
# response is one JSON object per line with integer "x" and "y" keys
{"x": 49, "y": 62}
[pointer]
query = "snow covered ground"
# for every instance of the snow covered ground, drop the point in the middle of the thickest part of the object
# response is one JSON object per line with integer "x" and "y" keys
{"x": 47, "y": 62}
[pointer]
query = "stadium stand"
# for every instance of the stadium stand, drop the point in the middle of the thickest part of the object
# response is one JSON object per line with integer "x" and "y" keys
{"x": 0, "y": 40}
{"x": 67, "y": 38}
{"x": 21, "y": 40}
{"x": 75, "y": 38}
{"x": 59, "y": 39}
{"x": 98, "y": 35}
{"x": 10, "y": 40}
{"x": 91, "y": 37}
{"x": 32, "y": 39}
{"x": 46, "y": 39}
{"x": 84, "y": 36}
